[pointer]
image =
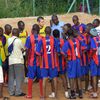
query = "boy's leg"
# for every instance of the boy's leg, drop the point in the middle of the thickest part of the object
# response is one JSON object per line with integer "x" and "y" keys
{"x": 44, "y": 87}
{"x": 31, "y": 75}
{"x": 94, "y": 73}
{"x": 55, "y": 85}
{"x": 64, "y": 81}
{"x": 1, "y": 90}
{"x": 11, "y": 80}
{"x": 19, "y": 75}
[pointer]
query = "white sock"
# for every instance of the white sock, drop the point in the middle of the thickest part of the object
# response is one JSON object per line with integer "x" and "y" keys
{"x": 52, "y": 95}
{"x": 66, "y": 94}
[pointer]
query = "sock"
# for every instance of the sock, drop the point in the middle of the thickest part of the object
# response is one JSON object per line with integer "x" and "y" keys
{"x": 41, "y": 88}
{"x": 30, "y": 83}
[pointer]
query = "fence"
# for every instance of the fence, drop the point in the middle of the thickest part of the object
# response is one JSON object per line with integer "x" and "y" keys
{"x": 24, "y": 8}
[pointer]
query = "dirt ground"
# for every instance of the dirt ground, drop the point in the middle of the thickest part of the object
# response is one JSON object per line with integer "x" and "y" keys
{"x": 36, "y": 92}
{"x": 67, "y": 18}
{"x": 29, "y": 21}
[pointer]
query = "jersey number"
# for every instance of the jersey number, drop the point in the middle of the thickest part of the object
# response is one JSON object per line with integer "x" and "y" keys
{"x": 48, "y": 47}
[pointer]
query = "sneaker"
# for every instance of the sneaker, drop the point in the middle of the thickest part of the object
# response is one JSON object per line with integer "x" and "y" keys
{"x": 26, "y": 80}
{"x": 73, "y": 95}
{"x": 52, "y": 95}
{"x": 89, "y": 87}
{"x": 6, "y": 98}
{"x": 94, "y": 95}
{"x": 66, "y": 94}
{"x": 19, "y": 95}
{"x": 80, "y": 94}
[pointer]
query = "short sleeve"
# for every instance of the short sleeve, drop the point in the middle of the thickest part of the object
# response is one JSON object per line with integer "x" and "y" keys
{"x": 39, "y": 47}
{"x": 28, "y": 43}
{"x": 93, "y": 44}
{"x": 65, "y": 48}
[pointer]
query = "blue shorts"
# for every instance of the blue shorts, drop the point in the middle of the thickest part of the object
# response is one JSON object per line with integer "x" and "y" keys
{"x": 94, "y": 69}
{"x": 74, "y": 69}
{"x": 51, "y": 73}
{"x": 85, "y": 70}
{"x": 62, "y": 71}
{"x": 34, "y": 71}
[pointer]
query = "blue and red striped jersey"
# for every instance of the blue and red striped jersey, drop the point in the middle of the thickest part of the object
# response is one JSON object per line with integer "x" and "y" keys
{"x": 47, "y": 49}
{"x": 31, "y": 43}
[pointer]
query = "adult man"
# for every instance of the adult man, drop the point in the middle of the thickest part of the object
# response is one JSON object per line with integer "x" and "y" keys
{"x": 16, "y": 64}
{"x": 40, "y": 21}
{"x": 56, "y": 24}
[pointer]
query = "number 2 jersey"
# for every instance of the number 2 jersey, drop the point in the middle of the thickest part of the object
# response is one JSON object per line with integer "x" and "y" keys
{"x": 47, "y": 48}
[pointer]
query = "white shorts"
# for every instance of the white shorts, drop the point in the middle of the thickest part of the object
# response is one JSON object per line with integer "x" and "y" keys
{"x": 1, "y": 75}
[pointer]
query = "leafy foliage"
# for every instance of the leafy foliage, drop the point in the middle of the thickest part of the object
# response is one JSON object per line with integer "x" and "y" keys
{"x": 20, "y": 8}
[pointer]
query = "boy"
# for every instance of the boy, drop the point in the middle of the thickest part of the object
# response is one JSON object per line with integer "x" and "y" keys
{"x": 4, "y": 43}
{"x": 94, "y": 60}
{"x": 61, "y": 60}
{"x": 7, "y": 34}
{"x": 46, "y": 48}
{"x": 32, "y": 61}
{"x": 71, "y": 49}
{"x": 77, "y": 25}
{"x": 23, "y": 34}
{"x": 16, "y": 64}
{"x": 2, "y": 59}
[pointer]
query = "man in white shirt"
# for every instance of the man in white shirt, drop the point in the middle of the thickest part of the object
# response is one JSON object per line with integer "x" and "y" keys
{"x": 56, "y": 24}
{"x": 16, "y": 64}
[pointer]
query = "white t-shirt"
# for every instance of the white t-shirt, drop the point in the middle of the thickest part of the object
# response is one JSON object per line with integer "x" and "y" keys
{"x": 16, "y": 56}
{"x": 98, "y": 30}
{"x": 59, "y": 27}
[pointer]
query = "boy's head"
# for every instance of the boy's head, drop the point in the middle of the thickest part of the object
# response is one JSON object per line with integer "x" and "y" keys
{"x": 1, "y": 31}
{"x": 96, "y": 23}
{"x": 55, "y": 19}
{"x": 8, "y": 29}
{"x": 21, "y": 25}
{"x": 56, "y": 33}
{"x": 70, "y": 33}
{"x": 35, "y": 29}
{"x": 66, "y": 27}
{"x": 89, "y": 26}
{"x": 75, "y": 19}
{"x": 48, "y": 30}
{"x": 40, "y": 21}
{"x": 15, "y": 32}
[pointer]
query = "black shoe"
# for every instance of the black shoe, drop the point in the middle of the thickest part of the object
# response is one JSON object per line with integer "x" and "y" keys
{"x": 6, "y": 98}
{"x": 80, "y": 94}
{"x": 22, "y": 94}
{"x": 73, "y": 95}
{"x": 12, "y": 94}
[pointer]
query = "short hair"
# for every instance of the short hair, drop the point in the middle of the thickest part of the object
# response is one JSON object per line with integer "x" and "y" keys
{"x": 68, "y": 25}
{"x": 1, "y": 28}
{"x": 14, "y": 30}
{"x": 20, "y": 22}
{"x": 35, "y": 27}
{"x": 97, "y": 20}
{"x": 7, "y": 25}
{"x": 39, "y": 18}
{"x": 54, "y": 16}
{"x": 90, "y": 25}
{"x": 56, "y": 33}
{"x": 70, "y": 32}
{"x": 75, "y": 16}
